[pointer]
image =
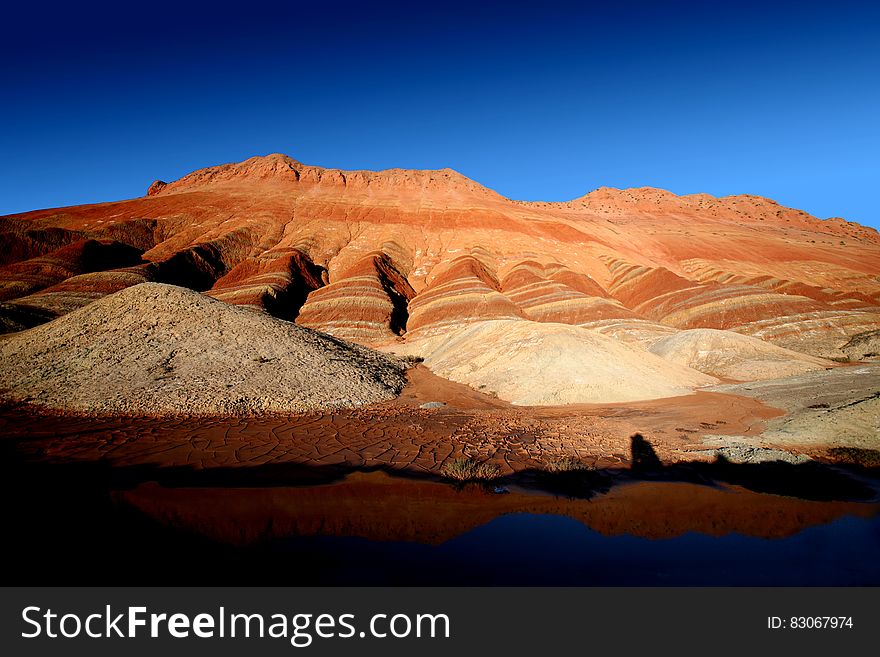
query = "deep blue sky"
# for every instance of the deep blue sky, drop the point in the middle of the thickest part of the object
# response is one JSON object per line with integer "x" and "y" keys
{"x": 536, "y": 100}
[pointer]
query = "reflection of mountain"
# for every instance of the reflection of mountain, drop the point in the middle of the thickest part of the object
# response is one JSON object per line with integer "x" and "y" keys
{"x": 379, "y": 507}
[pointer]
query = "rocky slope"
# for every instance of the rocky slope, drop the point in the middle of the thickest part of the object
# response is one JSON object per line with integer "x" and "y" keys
{"x": 156, "y": 348}
{"x": 837, "y": 408}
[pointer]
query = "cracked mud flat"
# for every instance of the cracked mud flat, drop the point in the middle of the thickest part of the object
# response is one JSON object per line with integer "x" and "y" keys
{"x": 396, "y": 435}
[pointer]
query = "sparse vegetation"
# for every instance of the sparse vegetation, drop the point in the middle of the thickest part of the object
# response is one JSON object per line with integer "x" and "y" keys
{"x": 571, "y": 477}
{"x": 566, "y": 464}
{"x": 468, "y": 469}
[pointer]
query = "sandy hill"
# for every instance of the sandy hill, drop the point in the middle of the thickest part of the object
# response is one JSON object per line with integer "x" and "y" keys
{"x": 734, "y": 356}
{"x": 155, "y": 348}
{"x": 537, "y": 364}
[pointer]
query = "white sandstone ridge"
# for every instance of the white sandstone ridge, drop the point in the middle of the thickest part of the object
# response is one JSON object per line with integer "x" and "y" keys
{"x": 158, "y": 349}
{"x": 734, "y": 356}
{"x": 544, "y": 364}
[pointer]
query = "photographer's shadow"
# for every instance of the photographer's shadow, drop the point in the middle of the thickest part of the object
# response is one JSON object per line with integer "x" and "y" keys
{"x": 807, "y": 480}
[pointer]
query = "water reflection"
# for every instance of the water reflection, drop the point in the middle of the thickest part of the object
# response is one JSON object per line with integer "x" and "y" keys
{"x": 550, "y": 550}
{"x": 381, "y": 507}
{"x": 373, "y": 529}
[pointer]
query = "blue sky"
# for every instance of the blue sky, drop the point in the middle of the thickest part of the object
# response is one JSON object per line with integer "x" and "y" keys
{"x": 539, "y": 101}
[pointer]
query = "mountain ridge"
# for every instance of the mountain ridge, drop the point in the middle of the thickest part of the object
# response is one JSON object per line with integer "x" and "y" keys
{"x": 275, "y": 166}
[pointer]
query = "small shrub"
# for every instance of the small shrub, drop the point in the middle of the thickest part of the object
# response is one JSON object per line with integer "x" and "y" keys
{"x": 468, "y": 469}
{"x": 571, "y": 477}
{"x": 565, "y": 464}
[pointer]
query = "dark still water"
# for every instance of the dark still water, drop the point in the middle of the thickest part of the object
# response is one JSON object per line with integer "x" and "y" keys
{"x": 375, "y": 529}
{"x": 531, "y": 549}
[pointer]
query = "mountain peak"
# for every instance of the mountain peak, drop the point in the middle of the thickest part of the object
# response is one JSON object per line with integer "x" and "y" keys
{"x": 278, "y": 168}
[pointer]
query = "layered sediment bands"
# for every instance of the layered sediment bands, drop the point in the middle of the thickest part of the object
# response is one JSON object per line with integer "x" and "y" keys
{"x": 723, "y": 306}
{"x": 706, "y": 272}
{"x": 664, "y": 296}
{"x": 553, "y": 293}
{"x": 277, "y": 281}
{"x": 78, "y": 291}
{"x": 635, "y": 265}
{"x": 755, "y": 211}
{"x": 19, "y": 242}
{"x": 138, "y": 232}
{"x": 846, "y": 275}
{"x": 23, "y": 240}
{"x": 23, "y": 278}
{"x": 368, "y": 304}
{"x": 199, "y": 267}
{"x": 464, "y": 291}
{"x": 541, "y": 364}
{"x": 635, "y": 332}
{"x": 634, "y": 285}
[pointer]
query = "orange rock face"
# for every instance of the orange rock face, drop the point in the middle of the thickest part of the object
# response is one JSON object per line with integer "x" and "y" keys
{"x": 367, "y": 304}
{"x": 277, "y": 281}
{"x": 462, "y": 291}
{"x": 554, "y": 293}
{"x": 376, "y": 257}
{"x": 22, "y": 278}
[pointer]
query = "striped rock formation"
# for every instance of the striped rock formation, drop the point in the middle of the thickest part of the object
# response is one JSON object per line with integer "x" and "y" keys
{"x": 822, "y": 334}
{"x": 20, "y": 279}
{"x": 78, "y": 291}
{"x": 841, "y": 298}
{"x": 554, "y": 293}
{"x": 547, "y": 364}
{"x": 381, "y": 257}
{"x": 367, "y": 304}
{"x": 658, "y": 293}
{"x": 277, "y": 281}
{"x": 465, "y": 290}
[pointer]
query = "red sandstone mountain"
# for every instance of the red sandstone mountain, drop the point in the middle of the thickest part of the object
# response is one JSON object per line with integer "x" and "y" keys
{"x": 376, "y": 257}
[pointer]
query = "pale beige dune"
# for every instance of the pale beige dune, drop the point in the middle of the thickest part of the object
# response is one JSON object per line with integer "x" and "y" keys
{"x": 734, "y": 356}
{"x": 537, "y": 364}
